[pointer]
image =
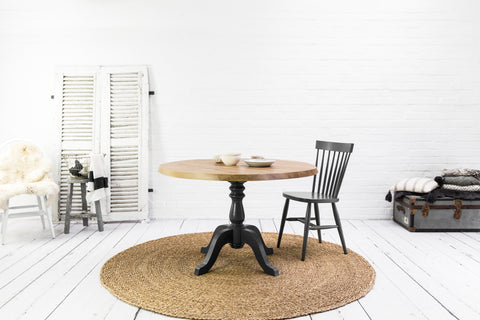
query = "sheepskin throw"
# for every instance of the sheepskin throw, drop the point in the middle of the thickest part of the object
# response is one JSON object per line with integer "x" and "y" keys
{"x": 24, "y": 170}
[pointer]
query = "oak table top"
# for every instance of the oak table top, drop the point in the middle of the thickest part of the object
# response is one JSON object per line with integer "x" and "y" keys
{"x": 208, "y": 169}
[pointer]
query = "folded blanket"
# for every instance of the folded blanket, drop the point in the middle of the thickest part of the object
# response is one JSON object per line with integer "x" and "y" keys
{"x": 439, "y": 193}
{"x": 473, "y": 188}
{"x": 457, "y": 180}
{"x": 461, "y": 172}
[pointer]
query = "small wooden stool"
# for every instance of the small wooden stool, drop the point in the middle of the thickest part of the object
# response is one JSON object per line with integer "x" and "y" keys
{"x": 84, "y": 214}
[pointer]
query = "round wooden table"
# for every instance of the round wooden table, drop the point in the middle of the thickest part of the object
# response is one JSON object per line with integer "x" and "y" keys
{"x": 236, "y": 233}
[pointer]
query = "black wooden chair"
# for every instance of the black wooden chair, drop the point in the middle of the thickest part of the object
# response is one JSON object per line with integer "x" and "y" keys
{"x": 331, "y": 162}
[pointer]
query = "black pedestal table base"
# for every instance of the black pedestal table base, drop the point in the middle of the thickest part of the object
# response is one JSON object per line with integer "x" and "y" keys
{"x": 237, "y": 235}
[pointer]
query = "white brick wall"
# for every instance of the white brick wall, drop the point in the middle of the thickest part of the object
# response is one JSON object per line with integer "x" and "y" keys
{"x": 400, "y": 79}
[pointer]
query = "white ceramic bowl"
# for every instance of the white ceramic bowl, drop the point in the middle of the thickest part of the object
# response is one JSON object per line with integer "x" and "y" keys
{"x": 230, "y": 159}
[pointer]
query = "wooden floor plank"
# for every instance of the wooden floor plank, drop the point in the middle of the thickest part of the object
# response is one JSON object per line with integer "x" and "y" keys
{"x": 62, "y": 276}
{"x": 267, "y": 225}
{"x": 89, "y": 299}
{"x": 440, "y": 258}
{"x": 28, "y": 240}
{"x": 446, "y": 246}
{"x": 393, "y": 288}
{"x": 120, "y": 310}
{"x": 430, "y": 273}
{"x": 351, "y": 311}
{"x": 209, "y": 225}
{"x": 423, "y": 264}
{"x": 58, "y": 291}
{"x": 102, "y": 302}
{"x": 456, "y": 254}
{"x": 22, "y": 231}
{"x": 30, "y": 247}
{"x": 466, "y": 245}
{"x": 148, "y": 315}
{"x": 473, "y": 235}
{"x": 31, "y": 269}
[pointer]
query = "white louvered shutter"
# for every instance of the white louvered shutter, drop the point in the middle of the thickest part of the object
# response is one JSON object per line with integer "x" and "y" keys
{"x": 125, "y": 140}
{"x": 78, "y": 102}
{"x": 105, "y": 110}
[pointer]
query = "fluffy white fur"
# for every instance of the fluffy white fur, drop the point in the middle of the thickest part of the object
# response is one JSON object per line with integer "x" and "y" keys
{"x": 24, "y": 170}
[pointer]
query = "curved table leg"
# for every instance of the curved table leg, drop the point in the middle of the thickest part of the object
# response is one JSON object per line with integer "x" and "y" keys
{"x": 219, "y": 239}
{"x": 219, "y": 229}
{"x": 237, "y": 234}
{"x": 254, "y": 229}
{"x": 256, "y": 243}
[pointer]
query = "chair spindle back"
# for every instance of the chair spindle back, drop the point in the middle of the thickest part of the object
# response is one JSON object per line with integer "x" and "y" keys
{"x": 331, "y": 162}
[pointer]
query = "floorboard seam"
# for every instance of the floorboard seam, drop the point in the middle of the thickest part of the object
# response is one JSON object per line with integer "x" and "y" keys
{"x": 41, "y": 273}
{"x": 404, "y": 271}
{"x": 26, "y": 256}
{"x": 361, "y": 305}
{"x": 136, "y": 314}
{"x": 73, "y": 289}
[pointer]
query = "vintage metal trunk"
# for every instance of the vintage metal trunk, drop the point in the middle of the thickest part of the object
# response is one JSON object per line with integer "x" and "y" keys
{"x": 445, "y": 214}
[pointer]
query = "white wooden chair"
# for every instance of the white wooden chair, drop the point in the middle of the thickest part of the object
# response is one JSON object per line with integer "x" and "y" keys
{"x": 24, "y": 170}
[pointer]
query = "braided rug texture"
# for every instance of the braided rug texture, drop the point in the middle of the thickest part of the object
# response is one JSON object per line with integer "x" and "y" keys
{"x": 158, "y": 276}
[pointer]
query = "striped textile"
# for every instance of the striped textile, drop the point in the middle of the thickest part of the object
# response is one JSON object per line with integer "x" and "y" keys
{"x": 420, "y": 185}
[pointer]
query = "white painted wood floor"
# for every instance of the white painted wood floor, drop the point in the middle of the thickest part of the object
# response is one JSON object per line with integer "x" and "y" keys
{"x": 419, "y": 275}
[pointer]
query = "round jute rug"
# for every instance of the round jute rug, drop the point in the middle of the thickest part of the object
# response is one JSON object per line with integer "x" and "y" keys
{"x": 158, "y": 276}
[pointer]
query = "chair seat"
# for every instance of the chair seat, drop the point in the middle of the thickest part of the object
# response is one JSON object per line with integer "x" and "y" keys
{"x": 309, "y": 197}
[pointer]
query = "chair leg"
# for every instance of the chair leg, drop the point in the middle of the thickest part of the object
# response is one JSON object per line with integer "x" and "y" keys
{"x": 4, "y": 224}
{"x": 339, "y": 225}
{"x": 317, "y": 219}
{"x": 282, "y": 224}
{"x": 305, "y": 231}
{"x": 48, "y": 213}
{"x": 42, "y": 214}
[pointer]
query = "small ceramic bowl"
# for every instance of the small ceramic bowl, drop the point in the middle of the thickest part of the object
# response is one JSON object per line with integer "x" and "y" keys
{"x": 217, "y": 158}
{"x": 230, "y": 159}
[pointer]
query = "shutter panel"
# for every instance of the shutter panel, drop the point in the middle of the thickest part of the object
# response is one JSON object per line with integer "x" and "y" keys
{"x": 125, "y": 141}
{"x": 78, "y": 100}
{"x": 105, "y": 110}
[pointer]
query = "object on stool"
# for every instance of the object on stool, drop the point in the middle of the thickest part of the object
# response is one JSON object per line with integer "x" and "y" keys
{"x": 76, "y": 169}
{"x": 77, "y": 165}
